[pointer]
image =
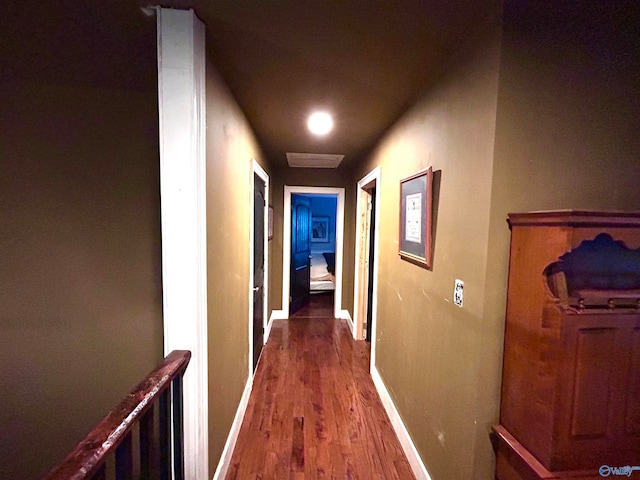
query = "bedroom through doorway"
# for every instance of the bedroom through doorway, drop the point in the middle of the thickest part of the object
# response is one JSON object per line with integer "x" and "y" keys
{"x": 305, "y": 229}
{"x": 313, "y": 254}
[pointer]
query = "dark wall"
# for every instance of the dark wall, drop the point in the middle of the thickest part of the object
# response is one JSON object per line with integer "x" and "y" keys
{"x": 80, "y": 268}
{"x": 80, "y": 275}
{"x": 567, "y": 131}
{"x": 325, "y": 207}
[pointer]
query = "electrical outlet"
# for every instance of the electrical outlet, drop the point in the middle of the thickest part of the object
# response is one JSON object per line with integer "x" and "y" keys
{"x": 458, "y": 292}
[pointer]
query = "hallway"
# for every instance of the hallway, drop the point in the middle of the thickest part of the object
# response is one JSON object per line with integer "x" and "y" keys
{"x": 314, "y": 411}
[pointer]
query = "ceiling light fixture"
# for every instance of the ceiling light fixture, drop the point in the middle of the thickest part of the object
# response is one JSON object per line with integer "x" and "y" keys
{"x": 320, "y": 123}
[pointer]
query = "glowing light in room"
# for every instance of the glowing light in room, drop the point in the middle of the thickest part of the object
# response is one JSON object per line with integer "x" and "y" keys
{"x": 320, "y": 123}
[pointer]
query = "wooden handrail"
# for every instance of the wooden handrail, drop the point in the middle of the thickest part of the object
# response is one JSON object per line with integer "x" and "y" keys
{"x": 114, "y": 433}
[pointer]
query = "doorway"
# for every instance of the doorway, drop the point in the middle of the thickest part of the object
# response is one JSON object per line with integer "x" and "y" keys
{"x": 365, "y": 299}
{"x": 259, "y": 265}
{"x": 313, "y": 250}
{"x": 289, "y": 192}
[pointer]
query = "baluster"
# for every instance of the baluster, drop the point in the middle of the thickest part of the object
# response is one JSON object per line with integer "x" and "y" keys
{"x": 178, "y": 442}
{"x": 124, "y": 458}
{"x": 148, "y": 450}
{"x": 165, "y": 435}
{"x": 101, "y": 474}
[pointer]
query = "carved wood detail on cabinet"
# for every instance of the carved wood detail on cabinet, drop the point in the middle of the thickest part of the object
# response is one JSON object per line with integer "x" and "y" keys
{"x": 571, "y": 374}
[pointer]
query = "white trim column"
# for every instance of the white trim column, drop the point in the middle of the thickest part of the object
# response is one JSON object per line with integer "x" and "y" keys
{"x": 181, "y": 101}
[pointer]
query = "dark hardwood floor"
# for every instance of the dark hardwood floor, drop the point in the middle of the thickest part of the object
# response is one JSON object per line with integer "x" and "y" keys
{"x": 320, "y": 306}
{"x": 314, "y": 412}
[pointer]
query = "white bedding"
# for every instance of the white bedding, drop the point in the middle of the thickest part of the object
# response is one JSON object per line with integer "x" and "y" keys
{"x": 321, "y": 279}
{"x": 318, "y": 286}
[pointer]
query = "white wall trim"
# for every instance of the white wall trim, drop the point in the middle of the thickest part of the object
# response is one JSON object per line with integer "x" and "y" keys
{"x": 182, "y": 116}
{"x": 409, "y": 448}
{"x": 230, "y": 444}
{"x": 258, "y": 170}
{"x": 275, "y": 315}
{"x": 278, "y": 315}
{"x": 373, "y": 175}
{"x": 286, "y": 242}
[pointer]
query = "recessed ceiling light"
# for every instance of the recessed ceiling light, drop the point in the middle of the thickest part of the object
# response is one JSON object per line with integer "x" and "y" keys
{"x": 320, "y": 123}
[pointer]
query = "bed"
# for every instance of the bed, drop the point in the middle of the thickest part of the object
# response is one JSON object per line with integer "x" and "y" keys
{"x": 322, "y": 272}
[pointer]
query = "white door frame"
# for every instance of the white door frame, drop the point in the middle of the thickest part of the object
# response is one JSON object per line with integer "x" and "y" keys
{"x": 373, "y": 176}
{"x": 258, "y": 170}
{"x": 286, "y": 246}
{"x": 182, "y": 118}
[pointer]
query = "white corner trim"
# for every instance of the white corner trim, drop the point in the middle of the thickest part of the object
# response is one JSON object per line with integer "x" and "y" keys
{"x": 409, "y": 448}
{"x": 230, "y": 444}
{"x": 182, "y": 115}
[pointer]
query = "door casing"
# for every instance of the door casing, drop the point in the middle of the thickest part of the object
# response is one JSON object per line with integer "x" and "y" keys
{"x": 260, "y": 172}
{"x": 371, "y": 179}
{"x": 286, "y": 245}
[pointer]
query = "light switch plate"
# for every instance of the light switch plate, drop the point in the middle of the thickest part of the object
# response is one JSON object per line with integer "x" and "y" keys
{"x": 458, "y": 292}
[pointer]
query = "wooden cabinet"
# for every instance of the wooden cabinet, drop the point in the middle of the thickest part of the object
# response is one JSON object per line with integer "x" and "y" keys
{"x": 571, "y": 375}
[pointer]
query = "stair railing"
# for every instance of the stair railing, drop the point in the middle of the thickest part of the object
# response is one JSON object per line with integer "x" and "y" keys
{"x": 135, "y": 439}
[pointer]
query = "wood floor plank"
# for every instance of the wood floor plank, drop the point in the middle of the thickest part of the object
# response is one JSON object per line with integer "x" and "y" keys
{"x": 314, "y": 412}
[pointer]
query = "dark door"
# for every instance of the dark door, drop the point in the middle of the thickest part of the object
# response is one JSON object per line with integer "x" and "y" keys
{"x": 372, "y": 239}
{"x": 300, "y": 252}
{"x": 258, "y": 267}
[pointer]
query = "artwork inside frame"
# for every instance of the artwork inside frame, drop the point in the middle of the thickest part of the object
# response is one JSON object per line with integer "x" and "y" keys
{"x": 416, "y": 213}
{"x": 320, "y": 230}
{"x": 270, "y": 224}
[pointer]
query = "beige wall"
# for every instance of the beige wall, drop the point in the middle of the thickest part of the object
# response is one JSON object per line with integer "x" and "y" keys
{"x": 230, "y": 148}
{"x": 306, "y": 177}
{"x": 428, "y": 349}
{"x": 80, "y": 274}
{"x": 544, "y": 118}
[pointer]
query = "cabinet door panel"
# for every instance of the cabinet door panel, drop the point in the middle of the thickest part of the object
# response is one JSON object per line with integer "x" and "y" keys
{"x": 592, "y": 384}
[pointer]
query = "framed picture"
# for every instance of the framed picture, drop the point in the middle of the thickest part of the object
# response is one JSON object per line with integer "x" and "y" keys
{"x": 416, "y": 211}
{"x": 270, "y": 224}
{"x": 320, "y": 229}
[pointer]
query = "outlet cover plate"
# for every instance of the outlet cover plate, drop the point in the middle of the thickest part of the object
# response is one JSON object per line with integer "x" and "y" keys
{"x": 458, "y": 292}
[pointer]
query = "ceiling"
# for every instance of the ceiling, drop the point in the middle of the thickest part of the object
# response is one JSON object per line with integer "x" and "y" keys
{"x": 364, "y": 61}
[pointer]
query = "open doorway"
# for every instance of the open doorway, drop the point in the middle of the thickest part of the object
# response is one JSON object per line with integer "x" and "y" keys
{"x": 301, "y": 257}
{"x": 313, "y": 249}
{"x": 366, "y": 264}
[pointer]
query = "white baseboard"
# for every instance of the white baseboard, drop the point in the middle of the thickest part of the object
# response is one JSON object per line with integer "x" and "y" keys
{"x": 227, "y": 452}
{"x": 278, "y": 315}
{"x": 417, "y": 466}
{"x": 267, "y": 330}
